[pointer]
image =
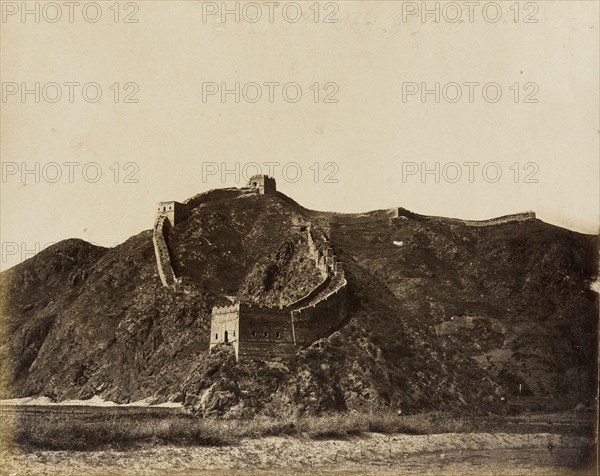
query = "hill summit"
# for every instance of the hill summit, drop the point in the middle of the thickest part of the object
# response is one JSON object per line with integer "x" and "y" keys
{"x": 381, "y": 309}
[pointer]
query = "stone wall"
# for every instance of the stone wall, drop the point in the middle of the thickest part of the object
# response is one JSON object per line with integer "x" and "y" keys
{"x": 321, "y": 318}
{"x": 327, "y": 309}
{"x": 264, "y": 331}
{"x": 318, "y": 257}
{"x": 319, "y": 288}
{"x": 358, "y": 218}
{"x": 513, "y": 218}
{"x": 321, "y": 265}
{"x": 517, "y": 217}
{"x": 161, "y": 251}
{"x": 379, "y": 215}
{"x": 261, "y": 331}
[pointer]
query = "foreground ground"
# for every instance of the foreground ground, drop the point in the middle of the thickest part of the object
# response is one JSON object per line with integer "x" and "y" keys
{"x": 75, "y": 440}
{"x": 371, "y": 453}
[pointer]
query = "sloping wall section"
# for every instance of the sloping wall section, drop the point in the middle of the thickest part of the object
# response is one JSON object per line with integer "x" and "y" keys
{"x": 266, "y": 331}
{"x": 161, "y": 250}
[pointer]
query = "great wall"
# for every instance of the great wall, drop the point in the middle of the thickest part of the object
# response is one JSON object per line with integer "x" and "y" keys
{"x": 256, "y": 331}
{"x": 403, "y": 213}
{"x": 514, "y": 218}
{"x": 161, "y": 251}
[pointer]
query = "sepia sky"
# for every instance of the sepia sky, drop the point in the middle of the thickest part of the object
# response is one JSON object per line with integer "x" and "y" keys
{"x": 349, "y": 132}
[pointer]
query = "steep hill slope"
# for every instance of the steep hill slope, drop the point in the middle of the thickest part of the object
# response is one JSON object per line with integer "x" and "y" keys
{"x": 515, "y": 297}
{"x": 442, "y": 315}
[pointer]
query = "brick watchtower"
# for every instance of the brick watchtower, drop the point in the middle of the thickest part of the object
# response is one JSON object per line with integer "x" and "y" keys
{"x": 263, "y": 183}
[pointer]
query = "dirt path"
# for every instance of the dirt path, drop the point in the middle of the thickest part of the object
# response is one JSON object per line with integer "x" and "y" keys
{"x": 452, "y": 453}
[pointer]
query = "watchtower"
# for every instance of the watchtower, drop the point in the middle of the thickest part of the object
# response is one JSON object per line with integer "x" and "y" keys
{"x": 263, "y": 183}
{"x": 225, "y": 326}
{"x": 174, "y": 211}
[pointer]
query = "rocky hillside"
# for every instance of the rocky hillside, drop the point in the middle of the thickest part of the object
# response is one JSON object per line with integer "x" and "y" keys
{"x": 442, "y": 315}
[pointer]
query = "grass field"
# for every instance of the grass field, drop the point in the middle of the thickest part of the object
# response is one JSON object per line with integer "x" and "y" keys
{"x": 59, "y": 429}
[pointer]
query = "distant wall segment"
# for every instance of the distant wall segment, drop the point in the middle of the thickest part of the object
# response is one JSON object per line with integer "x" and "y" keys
{"x": 513, "y": 218}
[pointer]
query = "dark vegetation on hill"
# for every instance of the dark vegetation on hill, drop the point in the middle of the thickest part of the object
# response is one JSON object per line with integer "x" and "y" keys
{"x": 442, "y": 316}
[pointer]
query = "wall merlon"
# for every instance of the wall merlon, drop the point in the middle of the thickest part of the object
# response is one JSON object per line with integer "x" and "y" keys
{"x": 255, "y": 309}
{"x": 225, "y": 309}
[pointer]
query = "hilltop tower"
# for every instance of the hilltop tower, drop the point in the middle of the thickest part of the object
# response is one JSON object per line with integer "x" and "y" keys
{"x": 263, "y": 183}
{"x": 174, "y": 211}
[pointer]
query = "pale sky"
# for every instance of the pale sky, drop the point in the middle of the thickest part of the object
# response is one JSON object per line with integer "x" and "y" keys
{"x": 377, "y": 141}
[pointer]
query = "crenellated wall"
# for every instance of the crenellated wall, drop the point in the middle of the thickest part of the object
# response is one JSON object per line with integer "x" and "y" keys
{"x": 321, "y": 266}
{"x": 161, "y": 251}
{"x": 326, "y": 310}
{"x": 261, "y": 331}
{"x": 321, "y": 318}
{"x": 513, "y": 218}
{"x": 381, "y": 215}
{"x": 318, "y": 289}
